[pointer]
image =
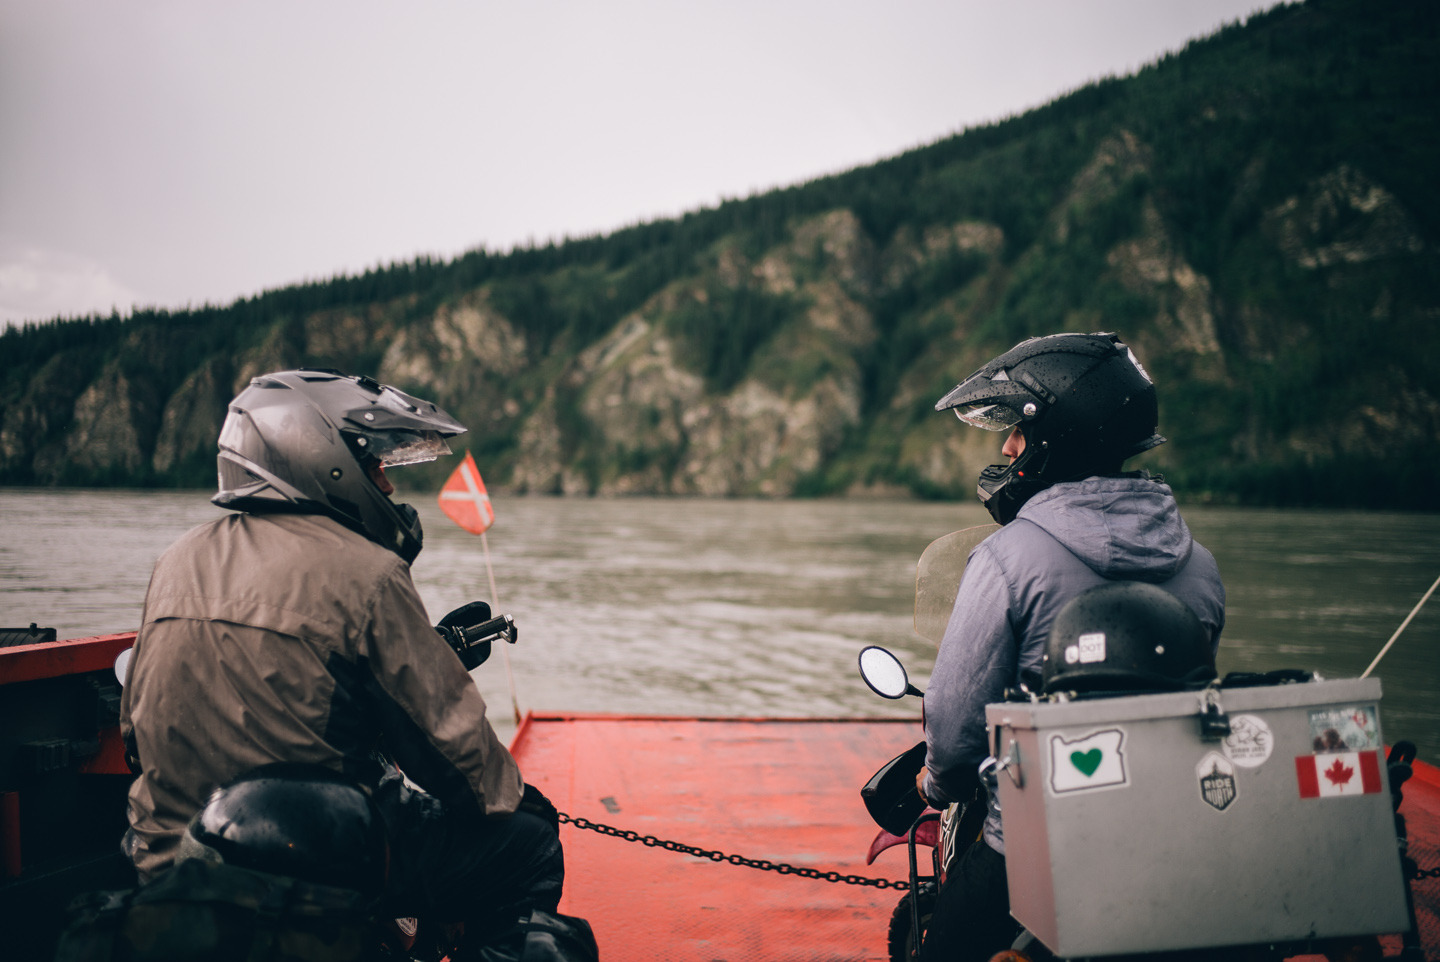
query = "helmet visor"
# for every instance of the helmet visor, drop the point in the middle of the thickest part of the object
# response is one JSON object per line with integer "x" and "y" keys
{"x": 991, "y": 417}
{"x": 395, "y": 448}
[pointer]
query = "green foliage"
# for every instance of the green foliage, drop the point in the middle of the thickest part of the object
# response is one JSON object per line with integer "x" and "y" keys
{"x": 911, "y": 317}
{"x": 719, "y": 330}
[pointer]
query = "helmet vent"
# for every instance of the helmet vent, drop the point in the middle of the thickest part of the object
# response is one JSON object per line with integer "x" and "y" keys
{"x": 1040, "y": 390}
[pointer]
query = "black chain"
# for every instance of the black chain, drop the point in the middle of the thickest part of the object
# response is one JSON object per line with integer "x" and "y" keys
{"x": 762, "y": 864}
{"x": 782, "y": 867}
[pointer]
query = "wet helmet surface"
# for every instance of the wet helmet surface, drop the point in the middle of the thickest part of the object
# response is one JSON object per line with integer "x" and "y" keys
{"x": 1126, "y": 636}
{"x": 1082, "y": 401}
{"x": 298, "y": 820}
{"x": 303, "y": 440}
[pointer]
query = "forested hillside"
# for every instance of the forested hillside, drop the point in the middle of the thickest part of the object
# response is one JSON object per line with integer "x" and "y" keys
{"x": 1257, "y": 215}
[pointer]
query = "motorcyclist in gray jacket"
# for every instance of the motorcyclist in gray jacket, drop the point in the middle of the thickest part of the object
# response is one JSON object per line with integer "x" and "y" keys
{"x": 292, "y": 632}
{"x": 1076, "y": 406}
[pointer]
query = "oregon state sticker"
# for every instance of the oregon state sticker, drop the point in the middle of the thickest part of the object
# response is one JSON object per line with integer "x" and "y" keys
{"x": 1091, "y": 762}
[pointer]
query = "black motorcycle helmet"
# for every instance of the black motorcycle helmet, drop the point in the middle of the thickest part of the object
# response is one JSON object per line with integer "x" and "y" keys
{"x": 299, "y": 820}
{"x": 1082, "y": 401}
{"x": 1126, "y": 636}
{"x": 303, "y": 441}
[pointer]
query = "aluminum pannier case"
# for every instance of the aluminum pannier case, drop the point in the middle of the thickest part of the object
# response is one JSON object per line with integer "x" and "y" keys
{"x": 1132, "y": 827}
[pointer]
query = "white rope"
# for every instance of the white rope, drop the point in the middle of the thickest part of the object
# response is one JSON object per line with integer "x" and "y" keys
{"x": 1413, "y": 612}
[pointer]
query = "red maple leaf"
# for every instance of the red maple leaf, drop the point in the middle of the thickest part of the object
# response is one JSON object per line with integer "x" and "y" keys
{"x": 1339, "y": 773}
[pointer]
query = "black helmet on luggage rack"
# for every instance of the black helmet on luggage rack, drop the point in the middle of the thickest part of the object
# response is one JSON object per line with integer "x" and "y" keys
{"x": 1126, "y": 636}
{"x": 1082, "y": 401}
{"x": 298, "y": 820}
{"x": 305, "y": 440}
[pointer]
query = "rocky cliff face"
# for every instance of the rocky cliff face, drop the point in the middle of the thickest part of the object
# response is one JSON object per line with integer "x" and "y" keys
{"x": 653, "y": 425}
{"x": 668, "y": 400}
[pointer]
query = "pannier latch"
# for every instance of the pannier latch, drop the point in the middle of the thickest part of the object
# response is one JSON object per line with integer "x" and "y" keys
{"x": 1010, "y": 764}
{"x": 1214, "y": 723}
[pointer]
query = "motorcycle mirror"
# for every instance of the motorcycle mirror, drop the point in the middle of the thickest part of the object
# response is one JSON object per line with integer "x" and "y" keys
{"x": 122, "y": 665}
{"x": 884, "y": 673}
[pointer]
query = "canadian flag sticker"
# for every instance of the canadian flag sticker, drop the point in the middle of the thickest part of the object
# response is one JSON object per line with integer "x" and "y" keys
{"x": 1339, "y": 773}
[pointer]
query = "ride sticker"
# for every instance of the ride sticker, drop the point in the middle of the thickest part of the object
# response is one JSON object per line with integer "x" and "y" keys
{"x": 1216, "y": 777}
{"x": 1250, "y": 741}
{"x": 1354, "y": 728}
{"x": 1093, "y": 761}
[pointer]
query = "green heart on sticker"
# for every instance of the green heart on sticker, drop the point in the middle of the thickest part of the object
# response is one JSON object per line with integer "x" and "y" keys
{"x": 1087, "y": 762}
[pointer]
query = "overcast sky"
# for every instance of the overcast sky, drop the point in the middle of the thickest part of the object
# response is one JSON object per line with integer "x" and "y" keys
{"x": 170, "y": 153}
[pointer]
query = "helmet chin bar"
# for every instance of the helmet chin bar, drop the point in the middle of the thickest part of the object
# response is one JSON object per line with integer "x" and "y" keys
{"x": 1004, "y": 488}
{"x": 409, "y": 535}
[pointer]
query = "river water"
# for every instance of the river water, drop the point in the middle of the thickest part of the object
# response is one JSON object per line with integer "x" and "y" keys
{"x": 758, "y": 608}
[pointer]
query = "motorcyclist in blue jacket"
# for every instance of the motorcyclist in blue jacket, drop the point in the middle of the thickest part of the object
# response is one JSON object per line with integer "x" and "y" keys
{"x": 1076, "y": 407}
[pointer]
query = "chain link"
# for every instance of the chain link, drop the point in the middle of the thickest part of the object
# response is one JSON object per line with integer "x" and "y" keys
{"x": 763, "y": 864}
{"x": 782, "y": 867}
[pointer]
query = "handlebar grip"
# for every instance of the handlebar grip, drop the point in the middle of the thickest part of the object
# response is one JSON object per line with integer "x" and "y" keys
{"x": 500, "y": 626}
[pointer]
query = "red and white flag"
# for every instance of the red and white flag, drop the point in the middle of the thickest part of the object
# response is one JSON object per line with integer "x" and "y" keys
{"x": 464, "y": 498}
{"x": 1341, "y": 773}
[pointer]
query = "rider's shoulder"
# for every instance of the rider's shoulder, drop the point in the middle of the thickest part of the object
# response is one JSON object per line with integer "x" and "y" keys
{"x": 1020, "y": 534}
{"x": 316, "y": 542}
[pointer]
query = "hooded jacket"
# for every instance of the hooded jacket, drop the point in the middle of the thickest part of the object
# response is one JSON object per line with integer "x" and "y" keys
{"x": 289, "y": 637}
{"x": 1065, "y": 539}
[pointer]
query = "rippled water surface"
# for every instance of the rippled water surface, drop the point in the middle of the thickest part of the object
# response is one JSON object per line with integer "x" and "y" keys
{"x": 759, "y": 608}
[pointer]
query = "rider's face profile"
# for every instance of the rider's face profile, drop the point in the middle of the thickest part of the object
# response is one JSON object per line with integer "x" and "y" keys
{"x": 1014, "y": 445}
{"x": 376, "y": 471}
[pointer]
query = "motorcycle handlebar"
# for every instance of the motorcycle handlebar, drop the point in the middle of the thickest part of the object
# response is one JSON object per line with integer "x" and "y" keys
{"x": 501, "y": 627}
{"x": 472, "y": 642}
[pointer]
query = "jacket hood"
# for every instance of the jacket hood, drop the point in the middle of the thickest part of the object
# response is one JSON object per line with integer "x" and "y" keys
{"x": 1125, "y": 528}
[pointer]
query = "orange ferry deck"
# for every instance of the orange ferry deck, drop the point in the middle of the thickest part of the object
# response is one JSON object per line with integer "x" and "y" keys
{"x": 782, "y": 790}
{"x": 777, "y": 790}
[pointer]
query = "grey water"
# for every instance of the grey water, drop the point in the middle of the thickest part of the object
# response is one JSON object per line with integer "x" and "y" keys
{"x": 759, "y": 608}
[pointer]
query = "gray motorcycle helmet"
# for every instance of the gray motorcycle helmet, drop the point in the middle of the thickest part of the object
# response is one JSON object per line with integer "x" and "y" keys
{"x": 1126, "y": 636}
{"x": 301, "y": 441}
{"x": 1082, "y": 401}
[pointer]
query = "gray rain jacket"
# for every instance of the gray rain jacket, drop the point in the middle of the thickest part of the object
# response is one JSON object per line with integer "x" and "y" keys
{"x": 289, "y": 637}
{"x": 1067, "y": 538}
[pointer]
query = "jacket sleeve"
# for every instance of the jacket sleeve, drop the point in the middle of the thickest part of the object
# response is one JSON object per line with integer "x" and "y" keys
{"x": 430, "y": 712}
{"x": 977, "y": 661}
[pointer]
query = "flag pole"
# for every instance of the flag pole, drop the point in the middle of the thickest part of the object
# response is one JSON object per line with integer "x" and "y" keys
{"x": 463, "y": 500}
{"x": 505, "y": 648}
